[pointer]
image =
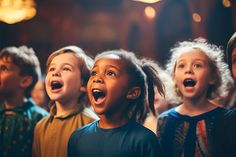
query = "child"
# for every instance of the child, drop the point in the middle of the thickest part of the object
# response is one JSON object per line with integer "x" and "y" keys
{"x": 227, "y": 133}
{"x": 118, "y": 89}
{"x": 39, "y": 95}
{"x": 66, "y": 79}
{"x": 231, "y": 59}
{"x": 200, "y": 74}
{"x": 161, "y": 103}
{"x": 19, "y": 71}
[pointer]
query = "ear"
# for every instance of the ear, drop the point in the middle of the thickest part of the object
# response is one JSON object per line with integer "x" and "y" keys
{"x": 26, "y": 81}
{"x": 83, "y": 89}
{"x": 212, "y": 82}
{"x": 133, "y": 93}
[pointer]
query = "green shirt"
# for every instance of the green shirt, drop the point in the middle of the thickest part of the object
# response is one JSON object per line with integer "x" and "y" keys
{"x": 16, "y": 129}
{"x": 52, "y": 133}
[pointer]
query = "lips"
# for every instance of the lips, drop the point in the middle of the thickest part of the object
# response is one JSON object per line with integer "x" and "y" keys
{"x": 189, "y": 82}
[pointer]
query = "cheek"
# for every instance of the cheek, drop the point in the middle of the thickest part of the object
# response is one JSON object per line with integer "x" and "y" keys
{"x": 234, "y": 72}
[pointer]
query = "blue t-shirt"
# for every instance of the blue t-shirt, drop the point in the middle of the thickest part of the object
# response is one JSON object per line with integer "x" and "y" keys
{"x": 129, "y": 140}
{"x": 182, "y": 135}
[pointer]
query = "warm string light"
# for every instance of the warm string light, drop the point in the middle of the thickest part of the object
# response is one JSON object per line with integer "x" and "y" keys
{"x": 226, "y": 3}
{"x": 13, "y": 11}
{"x": 150, "y": 12}
{"x": 196, "y": 17}
{"x": 147, "y": 1}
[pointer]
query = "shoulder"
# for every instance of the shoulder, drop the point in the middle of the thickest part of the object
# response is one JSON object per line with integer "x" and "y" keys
{"x": 34, "y": 112}
{"x": 140, "y": 131}
{"x": 42, "y": 124}
{"x": 167, "y": 114}
{"x": 86, "y": 129}
{"x": 39, "y": 110}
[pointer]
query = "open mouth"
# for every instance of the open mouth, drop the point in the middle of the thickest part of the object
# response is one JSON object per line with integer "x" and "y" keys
{"x": 98, "y": 94}
{"x": 189, "y": 82}
{"x": 56, "y": 85}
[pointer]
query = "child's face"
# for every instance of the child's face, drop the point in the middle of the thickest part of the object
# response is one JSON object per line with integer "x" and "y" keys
{"x": 108, "y": 85}
{"x": 10, "y": 79}
{"x": 192, "y": 74}
{"x": 234, "y": 63}
{"x": 63, "y": 79}
{"x": 38, "y": 94}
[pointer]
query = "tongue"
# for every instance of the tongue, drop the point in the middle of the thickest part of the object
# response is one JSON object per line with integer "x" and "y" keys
{"x": 99, "y": 100}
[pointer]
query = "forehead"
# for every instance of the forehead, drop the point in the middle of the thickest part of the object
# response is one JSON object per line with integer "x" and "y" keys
{"x": 111, "y": 60}
{"x": 65, "y": 58}
{"x": 193, "y": 54}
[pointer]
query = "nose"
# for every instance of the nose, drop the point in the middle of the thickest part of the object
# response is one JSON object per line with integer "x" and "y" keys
{"x": 56, "y": 73}
{"x": 189, "y": 70}
{"x": 97, "y": 80}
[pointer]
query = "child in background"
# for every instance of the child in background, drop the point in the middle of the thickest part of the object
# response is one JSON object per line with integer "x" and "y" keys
{"x": 39, "y": 95}
{"x": 161, "y": 103}
{"x": 66, "y": 79}
{"x": 119, "y": 88}
{"x": 200, "y": 74}
{"x": 19, "y": 71}
{"x": 227, "y": 131}
{"x": 231, "y": 59}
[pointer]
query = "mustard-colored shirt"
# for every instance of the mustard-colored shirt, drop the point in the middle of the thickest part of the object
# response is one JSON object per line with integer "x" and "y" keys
{"x": 52, "y": 133}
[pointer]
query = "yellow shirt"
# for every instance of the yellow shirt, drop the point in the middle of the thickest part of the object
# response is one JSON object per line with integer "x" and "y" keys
{"x": 52, "y": 133}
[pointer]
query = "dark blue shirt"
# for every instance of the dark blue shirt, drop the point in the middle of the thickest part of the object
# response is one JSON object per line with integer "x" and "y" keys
{"x": 130, "y": 140}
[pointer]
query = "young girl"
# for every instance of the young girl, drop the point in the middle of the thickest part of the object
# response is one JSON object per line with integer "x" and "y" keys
{"x": 118, "y": 89}
{"x": 199, "y": 74}
{"x": 66, "y": 80}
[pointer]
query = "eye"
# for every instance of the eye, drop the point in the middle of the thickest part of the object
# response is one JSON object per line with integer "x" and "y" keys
{"x": 93, "y": 73}
{"x": 111, "y": 73}
{"x": 50, "y": 69}
{"x": 66, "y": 69}
{"x": 3, "y": 68}
{"x": 197, "y": 65}
{"x": 180, "y": 66}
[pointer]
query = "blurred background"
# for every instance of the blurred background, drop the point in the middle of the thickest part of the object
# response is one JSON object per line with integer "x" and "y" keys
{"x": 149, "y": 28}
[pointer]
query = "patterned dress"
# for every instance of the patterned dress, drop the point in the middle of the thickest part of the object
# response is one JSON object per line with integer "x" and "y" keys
{"x": 17, "y": 128}
{"x": 182, "y": 135}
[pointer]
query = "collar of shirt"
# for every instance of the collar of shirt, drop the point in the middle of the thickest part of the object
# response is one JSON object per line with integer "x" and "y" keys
{"x": 17, "y": 109}
{"x": 66, "y": 115}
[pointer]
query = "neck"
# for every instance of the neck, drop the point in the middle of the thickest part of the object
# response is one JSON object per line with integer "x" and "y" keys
{"x": 195, "y": 107}
{"x": 63, "y": 108}
{"x": 13, "y": 100}
{"x": 108, "y": 122}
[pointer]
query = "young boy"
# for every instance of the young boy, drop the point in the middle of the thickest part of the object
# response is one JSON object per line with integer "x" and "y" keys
{"x": 68, "y": 71}
{"x": 19, "y": 71}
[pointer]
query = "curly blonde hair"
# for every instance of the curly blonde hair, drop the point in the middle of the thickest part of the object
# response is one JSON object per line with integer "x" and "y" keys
{"x": 219, "y": 68}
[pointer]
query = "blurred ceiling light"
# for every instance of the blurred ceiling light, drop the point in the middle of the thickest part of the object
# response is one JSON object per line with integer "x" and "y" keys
{"x": 147, "y": 1}
{"x": 226, "y": 3}
{"x": 150, "y": 12}
{"x": 196, "y": 17}
{"x": 13, "y": 11}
